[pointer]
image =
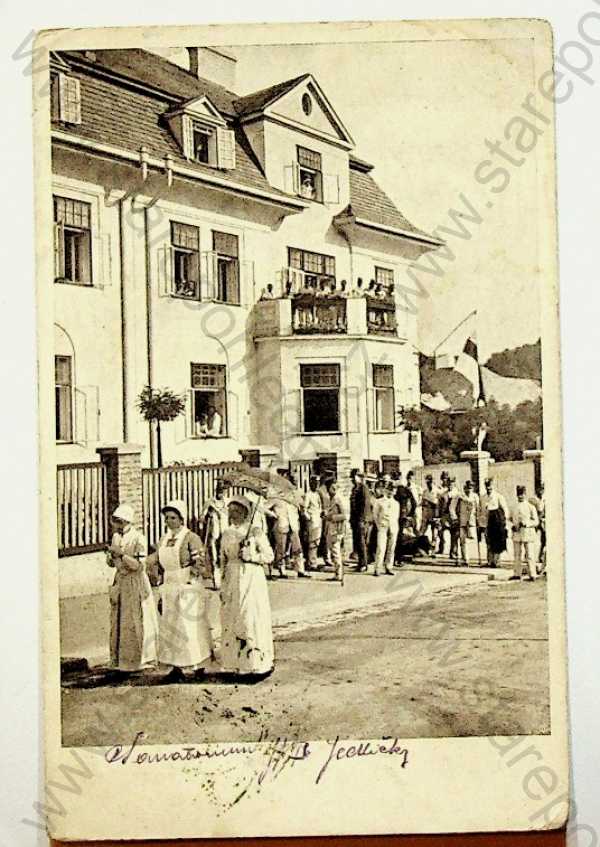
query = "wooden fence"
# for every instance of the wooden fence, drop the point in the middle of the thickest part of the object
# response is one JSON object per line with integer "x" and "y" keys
{"x": 194, "y": 484}
{"x": 82, "y": 522}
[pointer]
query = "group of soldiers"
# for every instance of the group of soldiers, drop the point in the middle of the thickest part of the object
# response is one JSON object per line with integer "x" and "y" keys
{"x": 391, "y": 520}
{"x": 464, "y": 515}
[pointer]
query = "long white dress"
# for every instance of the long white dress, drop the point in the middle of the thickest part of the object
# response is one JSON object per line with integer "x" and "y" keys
{"x": 247, "y": 635}
{"x": 184, "y": 637}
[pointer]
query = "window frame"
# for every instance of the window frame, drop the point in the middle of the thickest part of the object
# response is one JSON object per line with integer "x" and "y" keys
{"x": 224, "y": 259}
{"x": 317, "y": 389}
{"x": 200, "y": 128}
{"x": 308, "y": 272}
{"x": 219, "y": 369}
{"x": 315, "y": 172}
{"x": 71, "y": 400}
{"x": 184, "y": 250}
{"x": 73, "y": 230}
{"x": 379, "y": 269}
{"x": 389, "y": 390}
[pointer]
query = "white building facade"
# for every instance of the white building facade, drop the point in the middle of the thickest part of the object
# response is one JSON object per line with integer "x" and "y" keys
{"x": 221, "y": 247}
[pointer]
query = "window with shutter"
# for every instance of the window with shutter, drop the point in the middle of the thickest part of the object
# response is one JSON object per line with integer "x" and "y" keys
{"x": 209, "y": 407}
{"x": 72, "y": 241}
{"x": 225, "y": 148}
{"x": 310, "y": 174}
{"x": 69, "y": 99}
{"x": 185, "y": 253}
{"x": 227, "y": 268}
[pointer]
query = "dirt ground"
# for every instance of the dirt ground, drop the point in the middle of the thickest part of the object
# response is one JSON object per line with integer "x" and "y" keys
{"x": 467, "y": 661}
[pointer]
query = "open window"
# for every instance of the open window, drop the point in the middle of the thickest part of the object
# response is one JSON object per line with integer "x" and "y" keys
{"x": 320, "y": 385}
{"x": 226, "y": 267}
{"x": 310, "y": 174}
{"x": 317, "y": 270}
{"x": 185, "y": 251}
{"x": 208, "y": 401}
{"x": 205, "y": 139}
{"x": 72, "y": 241}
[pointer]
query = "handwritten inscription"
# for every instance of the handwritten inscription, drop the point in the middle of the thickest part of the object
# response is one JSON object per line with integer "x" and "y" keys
{"x": 279, "y": 753}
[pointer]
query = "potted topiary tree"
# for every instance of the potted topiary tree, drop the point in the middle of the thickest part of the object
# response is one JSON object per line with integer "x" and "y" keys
{"x": 159, "y": 405}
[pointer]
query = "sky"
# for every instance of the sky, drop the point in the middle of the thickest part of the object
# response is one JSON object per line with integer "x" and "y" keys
{"x": 420, "y": 113}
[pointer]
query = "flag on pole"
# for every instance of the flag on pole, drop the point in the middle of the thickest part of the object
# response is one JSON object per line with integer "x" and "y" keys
{"x": 467, "y": 364}
{"x": 462, "y": 356}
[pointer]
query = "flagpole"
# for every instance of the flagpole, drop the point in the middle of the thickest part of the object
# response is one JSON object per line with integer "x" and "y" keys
{"x": 458, "y": 326}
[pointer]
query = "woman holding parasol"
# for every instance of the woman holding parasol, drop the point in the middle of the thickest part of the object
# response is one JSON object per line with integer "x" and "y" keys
{"x": 247, "y": 637}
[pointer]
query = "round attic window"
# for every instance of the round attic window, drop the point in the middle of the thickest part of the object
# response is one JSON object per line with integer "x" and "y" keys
{"x": 306, "y": 104}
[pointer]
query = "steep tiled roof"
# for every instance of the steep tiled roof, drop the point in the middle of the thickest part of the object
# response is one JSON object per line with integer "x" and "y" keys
{"x": 124, "y": 117}
{"x": 160, "y": 74}
{"x": 369, "y": 202}
{"x": 259, "y": 100}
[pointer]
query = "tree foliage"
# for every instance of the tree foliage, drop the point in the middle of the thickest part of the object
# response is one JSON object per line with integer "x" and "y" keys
{"x": 160, "y": 404}
{"x": 445, "y": 435}
{"x": 524, "y": 362}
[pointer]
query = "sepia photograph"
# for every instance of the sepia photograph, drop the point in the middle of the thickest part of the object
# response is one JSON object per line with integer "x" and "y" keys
{"x": 303, "y": 310}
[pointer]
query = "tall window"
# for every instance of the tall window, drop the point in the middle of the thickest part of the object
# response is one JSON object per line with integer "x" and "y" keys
{"x": 63, "y": 395}
{"x": 317, "y": 267}
{"x": 320, "y": 397}
{"x": 201, "y": 140}
{"x": 226, "y": 249}
{"x": 209, "y": 400}
{"x": 185, "y": 244}
{"x": 310, "y": 174}
{"x": 383, "y": 385}
{"x": 72, "y": 241}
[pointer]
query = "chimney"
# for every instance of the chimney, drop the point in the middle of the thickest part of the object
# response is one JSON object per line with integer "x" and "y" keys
{"x": 213, "y": 63}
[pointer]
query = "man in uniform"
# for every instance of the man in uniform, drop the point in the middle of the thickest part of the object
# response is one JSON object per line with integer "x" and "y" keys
{"x": 360, "y": 518}
{"x": 312, "y": 512}
{"x": 335, "y": 528}
{"x": 430, "y": 500}
{"x": 524, "y": 519}
{"x": 464, "y": 508}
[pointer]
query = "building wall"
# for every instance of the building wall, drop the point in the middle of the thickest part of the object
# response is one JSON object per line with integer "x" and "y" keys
{"x": 131, "y": 219}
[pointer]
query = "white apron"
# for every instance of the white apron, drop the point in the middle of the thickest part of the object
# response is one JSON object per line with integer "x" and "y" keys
{"x": 184, "y": 638}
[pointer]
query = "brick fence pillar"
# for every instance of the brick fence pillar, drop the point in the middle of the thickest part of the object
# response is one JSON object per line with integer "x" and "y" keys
{"x": 123, "y": 477}
{"x": 537, "y": 457}
{"x": 480, "y": 467}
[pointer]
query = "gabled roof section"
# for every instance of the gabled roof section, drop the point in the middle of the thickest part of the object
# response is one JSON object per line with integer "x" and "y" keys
{"x": 259, "y": 100}
{"x": 261, "y": 103}
{"x": 199, "y": 107}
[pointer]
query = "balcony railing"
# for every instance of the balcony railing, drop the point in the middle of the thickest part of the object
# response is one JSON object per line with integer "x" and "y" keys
{"x": 314, "y": 314}
{"x": 381, "y": 317}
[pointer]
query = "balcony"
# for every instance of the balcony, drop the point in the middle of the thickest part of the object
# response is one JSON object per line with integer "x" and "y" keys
{"x": 310, "y": 315}
{"x": 381, "y": 317}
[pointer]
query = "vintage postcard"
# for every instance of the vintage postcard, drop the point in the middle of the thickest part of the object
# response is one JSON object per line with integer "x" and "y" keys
{"x": 300, "y": 441}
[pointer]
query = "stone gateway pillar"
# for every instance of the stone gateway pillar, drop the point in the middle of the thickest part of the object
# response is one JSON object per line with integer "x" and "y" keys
{"x": 123, "y": 477}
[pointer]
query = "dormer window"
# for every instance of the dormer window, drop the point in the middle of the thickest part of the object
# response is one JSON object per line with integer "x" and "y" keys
{"x": 203, "y": 134}
{"x": 306, "y": 179}
{"x": 310, "y": 174}
{"x": 201, "y": 138}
